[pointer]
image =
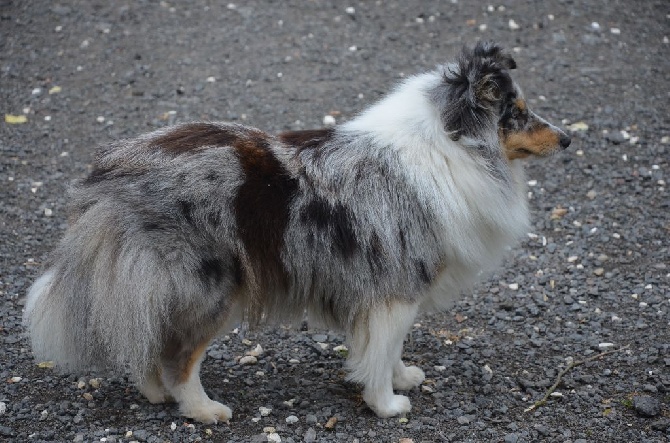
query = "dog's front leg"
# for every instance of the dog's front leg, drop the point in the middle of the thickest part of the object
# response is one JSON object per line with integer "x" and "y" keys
{"x": 374, "y": 360}
{"x": 406, "y": 377}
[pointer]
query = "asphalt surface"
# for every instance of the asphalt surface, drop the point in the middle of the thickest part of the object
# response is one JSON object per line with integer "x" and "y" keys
{"x": 593, "y": 275}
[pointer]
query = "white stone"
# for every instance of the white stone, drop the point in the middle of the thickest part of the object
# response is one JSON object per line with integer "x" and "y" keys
{"x": 258, "y": 350}
{"x": 248, "y": 360}
{"x": 329, "y": 120}
{"x": 291, "y": 419}
{"x": 264, "y": 411}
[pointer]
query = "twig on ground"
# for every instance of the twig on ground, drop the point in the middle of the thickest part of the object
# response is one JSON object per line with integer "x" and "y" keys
{"x": 571, "y": 366}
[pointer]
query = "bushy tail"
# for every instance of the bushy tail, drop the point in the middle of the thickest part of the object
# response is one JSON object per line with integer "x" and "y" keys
{"x": 102, "y": 304}
{"x": 47, "y": 324}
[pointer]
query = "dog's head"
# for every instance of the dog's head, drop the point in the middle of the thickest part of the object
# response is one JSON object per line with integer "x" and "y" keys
{"x": 478, "y": 97}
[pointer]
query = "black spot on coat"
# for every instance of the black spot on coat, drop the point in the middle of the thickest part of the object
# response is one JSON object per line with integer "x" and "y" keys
{"x": 336, "y": 220}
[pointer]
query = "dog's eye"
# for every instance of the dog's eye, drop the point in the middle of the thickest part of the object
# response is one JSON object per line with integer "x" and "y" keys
{"x": 516, "y": 112}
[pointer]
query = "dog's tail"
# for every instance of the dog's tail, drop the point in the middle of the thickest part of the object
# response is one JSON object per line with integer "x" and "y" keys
{"x": 101, "y": 304}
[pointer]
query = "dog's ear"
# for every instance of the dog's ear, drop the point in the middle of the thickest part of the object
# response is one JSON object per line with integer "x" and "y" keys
{"x": 473, "y": 89}
{"x": 489, "y": 50}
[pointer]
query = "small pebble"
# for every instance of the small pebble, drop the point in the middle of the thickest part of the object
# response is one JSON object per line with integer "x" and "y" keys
{"x": 646, "y": 405}
{"x": 310, "y": 436}
{"x": 248, "y": 360}
{"x": 463, "y": 420}
{"x": 258, "y": 350}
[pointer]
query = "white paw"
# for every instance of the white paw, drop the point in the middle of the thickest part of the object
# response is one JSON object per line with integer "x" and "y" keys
{"x": 409, "y": 378}
{"x": 209, "y": 411}
{"x": 155, "y": 393}
{"x": 398, "y": 404}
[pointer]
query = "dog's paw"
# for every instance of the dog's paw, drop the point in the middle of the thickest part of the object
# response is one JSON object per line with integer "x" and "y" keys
{"x": 155, "y": 393}
{"x": 410, "y": 377}
{"x": 399, "y": 404}
{"x": 209, "y": 412}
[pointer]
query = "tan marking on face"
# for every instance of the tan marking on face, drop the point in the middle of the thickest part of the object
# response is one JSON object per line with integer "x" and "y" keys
{"x": 541, "y": 142}
{"x": 521, "y": 104}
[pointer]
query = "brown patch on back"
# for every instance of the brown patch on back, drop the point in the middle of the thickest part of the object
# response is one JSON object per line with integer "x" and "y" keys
{"x": 542, "y": 141}
{"x": 307, "y": 139}
{"x": 192, "y": 136}
{"x": 261, "y": 208}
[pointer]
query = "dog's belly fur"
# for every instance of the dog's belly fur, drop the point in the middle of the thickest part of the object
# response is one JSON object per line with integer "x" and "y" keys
{"x": 179, "y": 233}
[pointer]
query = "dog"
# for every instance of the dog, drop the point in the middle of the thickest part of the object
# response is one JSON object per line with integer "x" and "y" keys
{"x": 180, "y": 234}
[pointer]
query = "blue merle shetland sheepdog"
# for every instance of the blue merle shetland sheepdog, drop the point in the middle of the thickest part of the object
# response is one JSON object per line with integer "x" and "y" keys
{"x": 179, "y": 234}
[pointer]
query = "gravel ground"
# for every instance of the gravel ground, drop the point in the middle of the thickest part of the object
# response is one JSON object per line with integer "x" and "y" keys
{"x": 592, "y": 276}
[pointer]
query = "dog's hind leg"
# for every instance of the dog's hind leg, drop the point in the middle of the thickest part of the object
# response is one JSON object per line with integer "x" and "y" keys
{"x": 152, "y": 387}
{"x": 181, "y": 377}
{"x": 375, "y": 351}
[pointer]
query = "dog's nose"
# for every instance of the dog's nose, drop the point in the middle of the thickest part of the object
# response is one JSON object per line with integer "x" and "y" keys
{"x": 565, "y": 141}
